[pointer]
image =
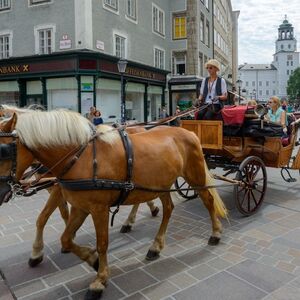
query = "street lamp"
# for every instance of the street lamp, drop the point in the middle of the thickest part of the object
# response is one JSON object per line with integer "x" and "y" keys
{"x": 122, "y": 64}
{"x": 239, "y": 84}
{"x": 254, "y": 94}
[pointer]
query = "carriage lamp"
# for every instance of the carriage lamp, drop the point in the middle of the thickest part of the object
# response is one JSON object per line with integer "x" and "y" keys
{"x": 239, "y": 84}
{"x": 122, "y": 64}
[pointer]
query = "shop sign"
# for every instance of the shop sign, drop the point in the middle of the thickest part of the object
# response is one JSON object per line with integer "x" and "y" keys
{"x": 100, "y": 45}
{"x": 65, "y": 44}
{"x": 144, "y": 74}
{"x": 86, "y": 87}
{"x": 183, "y": 87}
{"x": 14, "y": 69}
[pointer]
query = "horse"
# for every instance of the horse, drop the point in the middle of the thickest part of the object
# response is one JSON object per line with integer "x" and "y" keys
{"x": 160, "y": 156}
{"x": 56, "y": 200}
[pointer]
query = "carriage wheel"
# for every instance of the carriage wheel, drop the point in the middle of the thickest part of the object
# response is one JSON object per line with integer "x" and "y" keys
{"x": 252, "y": 172}
{"x": 180, "y": 184}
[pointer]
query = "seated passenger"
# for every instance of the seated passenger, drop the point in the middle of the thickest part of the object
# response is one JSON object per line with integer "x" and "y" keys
{"x": 252, "y": 103}
{"x": 213, "y": 91}
{"x": 276, "y": 114}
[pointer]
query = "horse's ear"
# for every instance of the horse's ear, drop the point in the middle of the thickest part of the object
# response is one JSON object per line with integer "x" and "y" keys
{"x": 10, "y": 125}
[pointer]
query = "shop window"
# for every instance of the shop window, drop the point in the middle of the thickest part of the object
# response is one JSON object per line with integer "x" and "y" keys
{"x": 179, "y": 27}
{"x": 45, "y": 41}
{"x": 36, "y": 2}
{"x": 120, "y": 46}
{"x": 159, "y": 58}
{"x": 158, "y": 16}
{"x": 5, "y": 5}
{"x": 131, "y": 9}
{"x": 111, "y": 4}
{"x": 5, "y": 46}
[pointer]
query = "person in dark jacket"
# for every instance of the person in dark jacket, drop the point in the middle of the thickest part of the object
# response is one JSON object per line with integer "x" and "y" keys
{"x": 213, "y": 91}
{"x": 97, "y": 120}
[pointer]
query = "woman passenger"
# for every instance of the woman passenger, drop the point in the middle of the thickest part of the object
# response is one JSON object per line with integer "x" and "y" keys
{"x": 276, "y": 114}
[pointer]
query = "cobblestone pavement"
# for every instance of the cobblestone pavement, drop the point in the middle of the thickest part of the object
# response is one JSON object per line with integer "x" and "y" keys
{"x": 258, "y": 258}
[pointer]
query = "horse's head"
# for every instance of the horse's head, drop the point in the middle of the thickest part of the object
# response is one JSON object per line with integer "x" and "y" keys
{"x": 14, "y": 158}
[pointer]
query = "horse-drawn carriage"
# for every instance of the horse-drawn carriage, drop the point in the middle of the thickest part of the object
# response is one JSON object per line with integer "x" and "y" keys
{"x": 244, "y": 151}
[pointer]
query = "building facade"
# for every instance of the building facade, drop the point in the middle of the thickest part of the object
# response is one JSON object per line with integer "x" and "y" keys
{"x": 64, "y": 53}
{"x": 260, "y": 81}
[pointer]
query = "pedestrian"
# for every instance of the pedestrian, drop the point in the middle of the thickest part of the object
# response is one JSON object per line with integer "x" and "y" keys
{"x": 213, "y": 91}
{"x": 90, "y": 115}
{"x": 97, "y": 120}
{"x": 163, "y": 112}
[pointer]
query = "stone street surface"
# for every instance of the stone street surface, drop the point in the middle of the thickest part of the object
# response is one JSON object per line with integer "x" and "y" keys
{"x": 258, "y": 258}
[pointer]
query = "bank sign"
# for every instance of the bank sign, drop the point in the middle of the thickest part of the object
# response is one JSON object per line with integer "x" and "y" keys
{"x": 14, "y": 69}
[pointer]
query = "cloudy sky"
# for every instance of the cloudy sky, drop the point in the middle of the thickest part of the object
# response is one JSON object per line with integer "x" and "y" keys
{"x": 258, "y": 27}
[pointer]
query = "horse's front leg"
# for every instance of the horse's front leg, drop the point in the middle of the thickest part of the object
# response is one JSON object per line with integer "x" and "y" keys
{"x": 100, "y": 215}
{"x": 159, "y": 241}
{"x": 85, "y": 253}
{"x": 53, "y": 202}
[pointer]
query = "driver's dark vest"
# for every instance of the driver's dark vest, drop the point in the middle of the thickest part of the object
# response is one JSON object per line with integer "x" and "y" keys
{"x": 218, "y": 87}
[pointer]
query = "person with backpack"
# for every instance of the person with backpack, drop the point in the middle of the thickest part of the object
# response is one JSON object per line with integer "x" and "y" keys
{"x": 213, "y": 91}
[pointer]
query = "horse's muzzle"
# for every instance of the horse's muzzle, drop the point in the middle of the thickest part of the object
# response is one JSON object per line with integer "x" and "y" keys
{"x": 5, "y": 192}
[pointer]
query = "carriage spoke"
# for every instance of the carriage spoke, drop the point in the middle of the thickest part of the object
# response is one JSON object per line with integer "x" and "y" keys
{"x": 256, "y": 172}
{"x": 253, "y": 196}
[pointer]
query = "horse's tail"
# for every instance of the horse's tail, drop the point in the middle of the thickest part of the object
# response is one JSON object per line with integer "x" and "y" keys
{"x": 218, "y": 203}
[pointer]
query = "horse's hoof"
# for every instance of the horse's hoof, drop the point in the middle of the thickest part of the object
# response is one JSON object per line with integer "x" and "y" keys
{"x": 125, "y": 229}
{"x": 213, "y": 241}
{"x": 64, "y": 251}
{"x": 155, "y": 212}
{"x": 33, "y": 262}
{"x": 96, "y": 265}
{"x": 92, "y": 295}
{"x": 152, "y": 255}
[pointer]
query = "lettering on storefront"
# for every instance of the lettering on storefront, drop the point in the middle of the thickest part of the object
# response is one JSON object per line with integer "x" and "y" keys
{"x": 144, "y": 74}
{"x": 14, "y": 69}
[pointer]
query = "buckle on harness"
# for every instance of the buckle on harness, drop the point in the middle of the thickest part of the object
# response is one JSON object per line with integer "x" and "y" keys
{"x": 128, "y": 186}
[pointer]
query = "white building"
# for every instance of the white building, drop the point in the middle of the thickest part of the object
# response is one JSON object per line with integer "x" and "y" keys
{"x": 260, "y": 81}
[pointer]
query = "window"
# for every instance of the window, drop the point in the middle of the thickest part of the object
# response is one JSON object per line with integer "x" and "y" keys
{"x": 287, "y": 63}
{"x": 215, "y": 36}
{"x": 112, "y": 4}
{"x": 45, "y": 37}
{"x": 201, "y": 63}
{"x": 267, "y": 92}
{"x": 274, "y": 92}
{"x": 289, "y": 46}
{"x": 207, "y": 40}
{"x": 206, "y": 4}
{"x": 260, "y": 83}
{"x": 4, "y": 5}
{"x": 131, "y": 9}
{"x": 281, "y": 47}
{"x": 5, "y": 47}
{"x": 179, "y": 27}
{"x": 253, "y": 83}
{"x": 35, "y": 2}
{"x": 202, "y": 29}
{"x": 267, "y": 83}
{"x": 292, "y": 63}
{"x": 159, "y": 58}
{"x": 287, "y": 72}
{"x": 158, "y": 16}
{"x": 292, "y": 71}
{"x": 120, "y": 46}
{"x": 247, "y": 83}
{"x": 178, "y": 61}
{"x": 290, "y": 57}
{"x": 260, "y": 92}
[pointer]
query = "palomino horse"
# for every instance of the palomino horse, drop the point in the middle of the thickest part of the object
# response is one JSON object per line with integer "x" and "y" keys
{"x": 56, "y": 200}
{"x": 50, "y": 138}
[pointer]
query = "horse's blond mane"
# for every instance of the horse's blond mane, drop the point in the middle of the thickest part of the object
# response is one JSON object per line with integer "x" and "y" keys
{"x": 58, "y": 128}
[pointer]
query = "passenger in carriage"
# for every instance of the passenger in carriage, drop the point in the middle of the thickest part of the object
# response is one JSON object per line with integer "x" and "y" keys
{"x": 276, "y": 114}
{"x": 213, "y": 91}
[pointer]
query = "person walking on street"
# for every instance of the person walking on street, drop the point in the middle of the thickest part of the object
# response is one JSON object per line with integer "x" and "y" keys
{"x": 213, "y": 91}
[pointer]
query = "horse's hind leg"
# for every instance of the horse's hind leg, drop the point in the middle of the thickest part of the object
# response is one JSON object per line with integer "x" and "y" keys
{"x": 130, "y": 219}
{"x": 159, "y": 241}
{"x": 208, "y": 201}
{"x": 154, "y": 209}
{"x": 53, "y": 201}
{"x": 127, "y": 226}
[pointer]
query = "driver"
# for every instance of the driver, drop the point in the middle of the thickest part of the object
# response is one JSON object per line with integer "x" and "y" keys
{"x": 213, "y": 91}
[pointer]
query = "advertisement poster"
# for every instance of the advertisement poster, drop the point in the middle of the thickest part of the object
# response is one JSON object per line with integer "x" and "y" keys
{"x": 86, "y": 102}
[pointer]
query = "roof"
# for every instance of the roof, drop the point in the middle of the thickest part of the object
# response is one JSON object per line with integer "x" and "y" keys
{"x": 257, "y": 67}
